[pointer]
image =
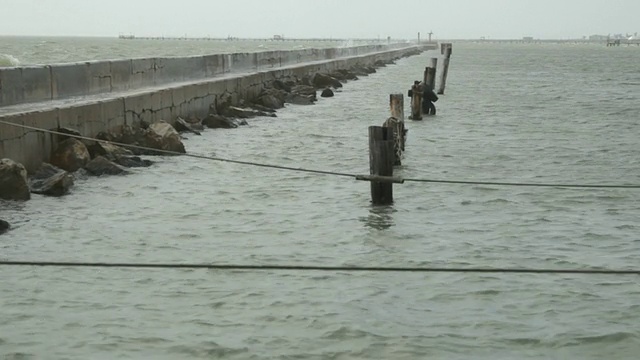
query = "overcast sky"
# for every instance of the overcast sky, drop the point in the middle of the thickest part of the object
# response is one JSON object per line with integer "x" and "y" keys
{"x": 450, "y": 19}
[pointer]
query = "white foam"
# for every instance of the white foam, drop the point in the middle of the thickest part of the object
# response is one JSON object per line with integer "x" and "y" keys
{"x": 8, "y": 60}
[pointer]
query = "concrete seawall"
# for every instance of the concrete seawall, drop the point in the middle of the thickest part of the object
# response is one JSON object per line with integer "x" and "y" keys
{"x": 98, "y": 96}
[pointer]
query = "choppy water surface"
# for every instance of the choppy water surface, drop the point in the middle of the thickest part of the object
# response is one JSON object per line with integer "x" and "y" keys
{"x": 538, "y": 113}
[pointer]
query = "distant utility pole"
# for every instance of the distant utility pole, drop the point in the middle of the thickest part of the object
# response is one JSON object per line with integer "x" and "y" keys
{"x": 430, "y": 33}
{"x": 418, "y": 36}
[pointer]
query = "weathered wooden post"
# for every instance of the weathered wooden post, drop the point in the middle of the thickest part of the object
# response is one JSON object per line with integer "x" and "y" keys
{"x": 430, "y": 74}
{"x": 445, "y": 49}
{"x": 396, "y": 106}
{"x": 416, "y": 101}
{"x": 381, "y": 157}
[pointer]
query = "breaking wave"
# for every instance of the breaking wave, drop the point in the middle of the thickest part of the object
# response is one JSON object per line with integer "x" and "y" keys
{"x": 8, "y": 60}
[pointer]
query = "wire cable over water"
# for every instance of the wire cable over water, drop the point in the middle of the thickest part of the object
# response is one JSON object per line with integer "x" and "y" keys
{"x": 320, "y": 268}
{"x": 324, "y": 172}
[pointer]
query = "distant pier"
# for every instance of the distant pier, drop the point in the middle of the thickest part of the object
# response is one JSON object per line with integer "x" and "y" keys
{"x": 274, "y": 38}
{"x": 609, "y": 42}
{"x": 618, "y": 42}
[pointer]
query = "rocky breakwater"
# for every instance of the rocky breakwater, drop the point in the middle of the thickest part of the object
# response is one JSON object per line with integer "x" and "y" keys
{"x": 116, "y": 151}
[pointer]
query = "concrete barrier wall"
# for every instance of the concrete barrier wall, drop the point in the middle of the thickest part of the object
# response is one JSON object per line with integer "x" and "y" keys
{"x": 31, "y": 148}
{"x": 59, "y": 81}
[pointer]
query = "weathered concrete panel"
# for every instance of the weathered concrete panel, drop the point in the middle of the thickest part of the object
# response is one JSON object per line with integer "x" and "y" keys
{"x": 37, "y": 83}
{"x": 11, "y": 86}
{"x": 142, "y": 73}
{"x": 214, "y": 64}
{"x": 69, "y": 80}
{"x": 242, "y": 62}
{"x": 41, "y": 144}
{"x": 168, "y": 70}
{"x": 99, "y": 77}
{"x": 112, "y": 113}
{"x": 134, "y": 107}
{"x": 121, "y": 71}
{"x": 11, "y": 138}
{"x": 86, "y": 118}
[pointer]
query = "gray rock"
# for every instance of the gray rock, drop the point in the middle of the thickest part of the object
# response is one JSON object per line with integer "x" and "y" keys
{"x": 327, "y": 93}
{"x": 51, "y": 181}
{"x": 70, "y": 155}
{"x": 132, "y": 161}
{"x": 162, "y": 136}
{"x": 4, "y": 226}
{"x": 214, "y": 121}
{"x": 183, "y": 125}
{"x": 101, "y": 166}
{"x": 13, "y": 181}
{"x": 322, "y": 81}
{"x": 108, "y": 150}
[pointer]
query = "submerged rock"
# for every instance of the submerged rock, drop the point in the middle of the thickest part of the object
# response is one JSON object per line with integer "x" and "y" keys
{"x": 51, "y": 181}
{"x": 322, "y": 81}
{"x": 4, "y": 226}
{"x": 183, "y": 125}
{"x": 108, "y": 150}
{"x": 132, "y": 161}
{"x": 101, "y": 166}
{"x": 13, "y": 181}
{"x": 243, "y": 113}
{"x": 70, "y": 155}
{"x": 214, "y": 121}
{"x": 327, "y": 93}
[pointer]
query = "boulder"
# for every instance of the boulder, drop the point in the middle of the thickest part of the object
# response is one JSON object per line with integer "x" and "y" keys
{"x": 4, "y": 227}
{"x": 305, "y": 90}
{"x": 195, "y": 123}
{"x": 108, "y": 150}
{"x": 51, "y": 181}
{"x": 70, "y": 155}
{"x": 127, "y": 134}
{"x": 162, "y": 136}
{"x": 321, "y": 81}
{"x": 101, "y": 166}
{"x": 183, "y": 125}
{"x": 243, "y": 113}
{"x": 214, "y": 121}
{"x": 343, "y": 74}
{"x": 300, "y": 99}
{"x": 132, "y": 161}
{"x": 327, "y": 93}
{"x": 67, "y": 131}
{"x": 280, "y": 85}
{"x": 360, "y": 70}
{"x": 271, "y": 101}
{"x": 13, "y": 181}
{"x": 261, "y": 108}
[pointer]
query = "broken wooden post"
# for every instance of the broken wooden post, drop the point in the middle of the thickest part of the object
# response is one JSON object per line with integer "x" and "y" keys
{"x": 381, "y": 157}
{"x": 445, "y": 49}
{"x": 396, "y": 106}
{"x": 416, "y": 101}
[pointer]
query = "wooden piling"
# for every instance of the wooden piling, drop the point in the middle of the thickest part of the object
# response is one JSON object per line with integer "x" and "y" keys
{"x": 416, "y": 101}
{"x": 381, "y": 157}
{"x": 396, "y": 106}
{"x": 430, "y": 76}
{"x": 445, "y": 49}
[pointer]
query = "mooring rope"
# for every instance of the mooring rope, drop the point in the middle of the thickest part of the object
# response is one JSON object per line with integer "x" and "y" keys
{"x": 322, "y": 172}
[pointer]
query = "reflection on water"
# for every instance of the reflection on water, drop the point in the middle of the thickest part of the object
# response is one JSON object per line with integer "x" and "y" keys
{"x": 380, "y": 217}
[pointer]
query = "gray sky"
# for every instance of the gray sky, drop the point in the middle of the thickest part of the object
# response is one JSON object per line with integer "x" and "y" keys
{"x": 452, "y": 19}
